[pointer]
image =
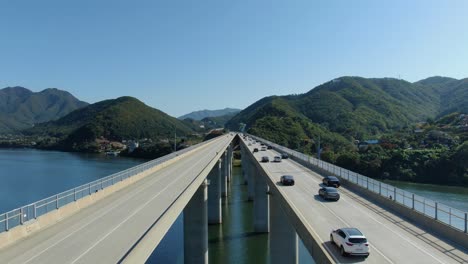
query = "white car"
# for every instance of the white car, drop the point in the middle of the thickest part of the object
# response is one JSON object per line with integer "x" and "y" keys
{"x": 350, "y": 241}
{"x": 277, "y": 159}
{"x": 263, "y": 148}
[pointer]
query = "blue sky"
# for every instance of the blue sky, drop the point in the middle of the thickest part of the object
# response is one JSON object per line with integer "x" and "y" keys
{"x": 180, "y": 56}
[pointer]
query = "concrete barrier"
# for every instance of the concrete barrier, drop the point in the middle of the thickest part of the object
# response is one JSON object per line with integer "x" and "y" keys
{"x": 28, "y": 228}
{"x": 308, "y": 236}
{"x": 428, "y": 224}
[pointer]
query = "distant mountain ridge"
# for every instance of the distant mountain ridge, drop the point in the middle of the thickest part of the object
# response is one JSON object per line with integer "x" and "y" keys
{"x": 199, "y": 115}
{"x": 359, "y": 107}
{"x": 21, "y": 108}
{"x": 116, "y": 119}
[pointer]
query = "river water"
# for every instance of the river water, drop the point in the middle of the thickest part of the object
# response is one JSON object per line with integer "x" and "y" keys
{"x": 30, "y": 175}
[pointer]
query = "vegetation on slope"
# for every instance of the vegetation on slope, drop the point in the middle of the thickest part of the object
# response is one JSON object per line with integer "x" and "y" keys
{"x": 118, "y": 119}
{"x": 20, "y": 108}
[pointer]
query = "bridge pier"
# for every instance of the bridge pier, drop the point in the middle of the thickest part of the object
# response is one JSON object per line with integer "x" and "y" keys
{"x": 261, "y": 204}
{"x": 196, "y": 227}
{"x": 229, "y": 163}
{"x": 224, "y": 175}
{"x": 214, "y": 194}
{"x": 244, "y": 164}
{"x": 283, "y": 237}
{"x": 250, "y": 180}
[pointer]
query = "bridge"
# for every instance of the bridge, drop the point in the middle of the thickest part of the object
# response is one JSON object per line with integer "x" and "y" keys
{"x": 123, "y": 217}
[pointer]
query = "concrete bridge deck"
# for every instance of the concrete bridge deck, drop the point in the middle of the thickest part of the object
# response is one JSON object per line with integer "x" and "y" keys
{"x": 106, "y": 231}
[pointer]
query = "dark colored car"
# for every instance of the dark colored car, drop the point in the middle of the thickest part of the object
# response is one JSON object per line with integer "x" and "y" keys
{"x": 255, "y": 150}
{"x": 284, "y": 156}
{"x": 329, "y": 193}
{"x": 269, "y": 147}
{"x": 265, "y": 159}
{"x": 331, "y": 181}
{"x": 287, "y": 180}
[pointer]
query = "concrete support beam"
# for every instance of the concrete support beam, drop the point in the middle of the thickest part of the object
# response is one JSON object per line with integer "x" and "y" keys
{"x": 244, "y": 163}
{"x": 230, "y": 158}
{"x": 214, "y": 194}
{"x": 261, "y": 205}
{"x": 196, "y": 228}
{"x": 224, "y": 175}
{"x": 283, "y": 237}
{"x": 251, "y": 180}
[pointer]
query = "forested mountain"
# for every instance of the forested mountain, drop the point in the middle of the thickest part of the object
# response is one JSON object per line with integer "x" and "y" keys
{"x": 358, "y": 107}
{"x": 346, "y": 111}
{"x": 21, "y": 108}
{"x": 453, "y": 94}
{"x": 199, "y": 115}
{"x": 116, "y": 119}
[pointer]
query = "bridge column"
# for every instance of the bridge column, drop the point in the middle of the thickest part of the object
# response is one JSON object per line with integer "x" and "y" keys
{"x": 261, "y": 204}
{"x": 283, "y": 237}
{"x": 224, "y": 175}
{"x": 244, "y": 164}
{"x": 250, "y": 180}
{"x": 214, "y": 195}
{"x": 196, "y": 227}
{"x": 230, "y": 158}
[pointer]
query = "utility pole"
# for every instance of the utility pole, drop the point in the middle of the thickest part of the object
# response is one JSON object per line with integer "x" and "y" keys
{"x": 175, "y": 139}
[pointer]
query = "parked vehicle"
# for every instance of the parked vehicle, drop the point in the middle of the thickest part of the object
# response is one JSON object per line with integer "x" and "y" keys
{"x": 269, "y": 147}
{"x": 331, "y": 181}
{"x": 350, "y": 241}
{"x": 277, "y": 159}
{"x": 263, "y": 148}
{"x": 287, "y": 180}
{"x": 265, "y": 159}
{"x": 255, "y": 150}
{"x": 329, "y": 193}
{"x": 284, "y": 155}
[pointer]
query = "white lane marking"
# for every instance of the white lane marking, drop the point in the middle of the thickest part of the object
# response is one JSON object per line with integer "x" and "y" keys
{"x": 396, "y": 233}
{"x": 379, "y": 222}
{"x": 99, "y": 216}
{"x": 340, "y": 219}
{"x": 135, "y": 212}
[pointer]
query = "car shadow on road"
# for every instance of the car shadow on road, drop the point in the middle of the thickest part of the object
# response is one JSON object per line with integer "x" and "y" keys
{"x": 323, "y": 200}
{"x": 333, "y": 249}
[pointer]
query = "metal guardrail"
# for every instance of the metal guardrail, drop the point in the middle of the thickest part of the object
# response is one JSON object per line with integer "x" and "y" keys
{"x": 451, "y": 216}
{"x": 32, "y": 211}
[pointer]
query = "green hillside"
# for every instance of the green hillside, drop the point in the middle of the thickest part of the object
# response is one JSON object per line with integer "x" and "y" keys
{"x": 358, "y": 107}
{"x": 199, "y": 115}
{"x": 392, "y": 111}
{"x": 21, "y": 109}
{"x": 116, "y": 120}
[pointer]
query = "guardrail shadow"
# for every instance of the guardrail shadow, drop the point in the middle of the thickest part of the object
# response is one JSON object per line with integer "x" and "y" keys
{"x": 334, "y": 250}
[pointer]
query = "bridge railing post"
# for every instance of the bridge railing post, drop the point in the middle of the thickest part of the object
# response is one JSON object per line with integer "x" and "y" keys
{"x": 413, "y": 201}
{"x": 6, "y": 222}
{"x": 35, "y": 210}
{"x": 22, "y": 215}
{"x": 380, "y": 188}
{"x": 436, "y": 210}
{"x": 466, "y": 222}
{"x": 56, "y": 202}
{"x": 394, "y": 194}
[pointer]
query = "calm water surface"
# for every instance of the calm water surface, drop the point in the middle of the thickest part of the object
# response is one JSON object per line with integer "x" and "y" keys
{"x": 28, "y": 175}
{"x": 232, "y": 242}
{"x": 456, "y": 197}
